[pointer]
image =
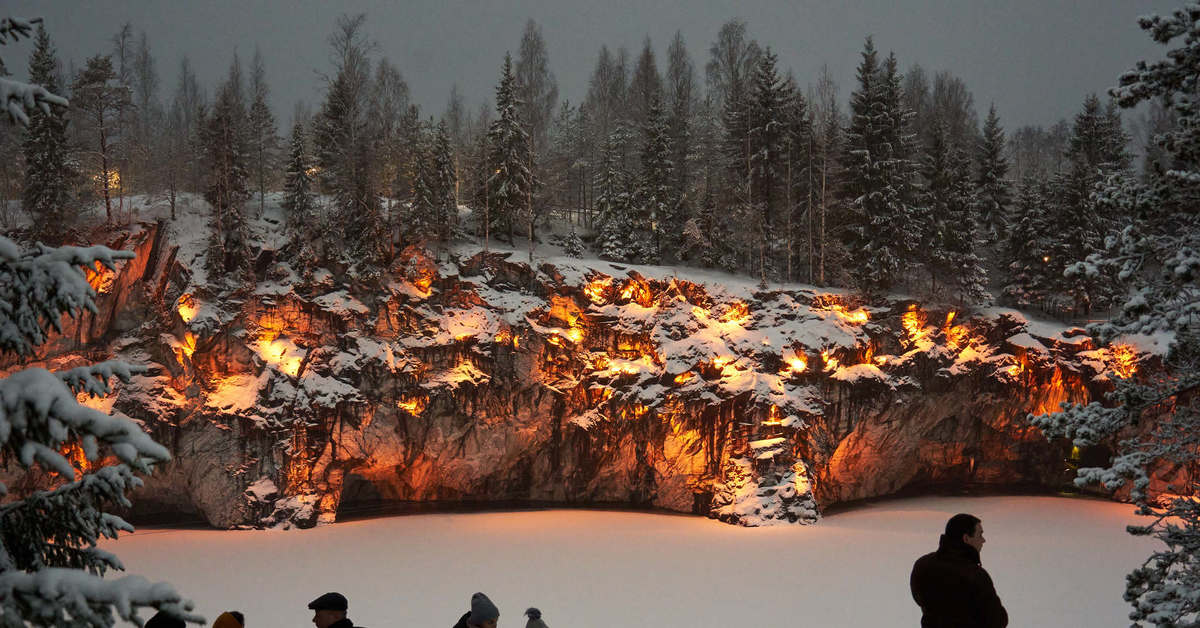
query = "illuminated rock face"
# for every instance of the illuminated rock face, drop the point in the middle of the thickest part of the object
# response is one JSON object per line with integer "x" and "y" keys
{"x": 486, "y": 381}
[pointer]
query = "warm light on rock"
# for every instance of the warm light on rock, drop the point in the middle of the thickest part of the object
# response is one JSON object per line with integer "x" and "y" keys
{"x": 1122, "y": 359}
{"x": 797, "y": 364}
{"x": 186, "y": 306}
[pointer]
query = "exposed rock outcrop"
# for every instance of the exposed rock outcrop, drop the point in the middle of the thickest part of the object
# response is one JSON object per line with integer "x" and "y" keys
{"x": 486, "y": 380}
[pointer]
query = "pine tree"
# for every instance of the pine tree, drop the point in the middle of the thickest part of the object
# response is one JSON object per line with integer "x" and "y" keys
{"x": 992, "y": 182}
{"x": 422, "y": 221}
{"x": 226, "y": 156}
{"x": 98, "y": 101}
{"x": 48, "y": 175}
{"x": 511, "y": 185}
{"x": 1096, "y": 150}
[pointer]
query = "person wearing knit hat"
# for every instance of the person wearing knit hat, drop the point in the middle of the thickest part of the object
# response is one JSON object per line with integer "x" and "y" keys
{"x": 329, "y": 611}
{"x": 483, "y": 614}
{"x": 230, "y": 619}
{"x": 162, "y": 620}
{"x": 535, "y": 619}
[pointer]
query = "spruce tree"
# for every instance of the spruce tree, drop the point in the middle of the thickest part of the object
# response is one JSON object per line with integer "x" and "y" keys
{"x": 657, "y": 221}
{"x": 1027, "y": 248}
{"x": 616, "y": 239}
{"x": 226, "y": 165}
{"x": 1150, "y": 420}
{"x": 263, "y": 136}
{"x": 511, "y": 183}
{"x": 299, "y": 204}
{"x": 878, "y": 177}
{"x": 48, "y": 174}
{"x": 991, "y": 181}
{"x": 948, "y": 249}
{"x": 444, "y": 184}
{"x": 51, "y": 571}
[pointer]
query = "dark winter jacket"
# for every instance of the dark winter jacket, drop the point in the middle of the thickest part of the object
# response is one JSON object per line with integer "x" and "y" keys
{"x": 462, "y": 621}
{"x": 954, "y": 591}
{"x": 343, "y": 623}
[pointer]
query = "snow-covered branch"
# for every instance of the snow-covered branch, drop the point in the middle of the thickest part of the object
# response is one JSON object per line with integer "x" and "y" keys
{"x": 37, "y": 289}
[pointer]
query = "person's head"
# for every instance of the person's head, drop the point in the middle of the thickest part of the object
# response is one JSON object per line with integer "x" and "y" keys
{"x": 162, "y": 620}
{"x": 966, "y": 528}
{"x": 328, "y": 609}
{"x": 484, "y": 614}
{"x": 230, "y": 619}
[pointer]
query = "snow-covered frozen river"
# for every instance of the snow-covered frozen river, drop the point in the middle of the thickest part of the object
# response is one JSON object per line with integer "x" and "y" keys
{"x": 1055, "y": 561}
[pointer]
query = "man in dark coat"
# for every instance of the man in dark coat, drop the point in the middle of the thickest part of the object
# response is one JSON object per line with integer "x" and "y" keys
{"x": 951, "y": 586}
{"x": 329, "y": 611}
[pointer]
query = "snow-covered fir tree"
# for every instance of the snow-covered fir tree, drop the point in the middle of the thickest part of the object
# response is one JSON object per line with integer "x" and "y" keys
{"x": 1025, "y": 252}
{"x": 51, "y": 572}
{"x": 656, "y": 221}
{"x": 800, "y": 185}
{"x": 948, "y": 248}
{"x": 877, "y": 178}
{"x": 616, "y": 239}
{"x": 433, "y": 209}
{"x": 511, "y": 183}
{"x": 48, "y": 172}
{"x": 444, "y": 183}
{"x": 573, "y": 245}
{"x": 227, "y": 177}
{"x": 262, "y": 134}
{"x": 299, "y": 202}
{"x": 1095, "y": 151}
{"x": 991, "y": 180}
{"x": 1152, "y": 417}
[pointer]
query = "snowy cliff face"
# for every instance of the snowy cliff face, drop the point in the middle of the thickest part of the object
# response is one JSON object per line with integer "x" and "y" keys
{"x": 301, "y": 393}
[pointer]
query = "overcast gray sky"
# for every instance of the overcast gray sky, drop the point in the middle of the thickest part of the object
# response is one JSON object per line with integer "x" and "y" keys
{"x": 1036, "y": 59}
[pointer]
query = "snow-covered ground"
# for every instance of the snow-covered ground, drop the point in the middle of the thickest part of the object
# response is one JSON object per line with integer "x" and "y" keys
{"x": 1055, "y": 561}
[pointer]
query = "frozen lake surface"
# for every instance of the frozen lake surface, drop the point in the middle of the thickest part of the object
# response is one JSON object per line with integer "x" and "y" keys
{"x": 1055, "y": 561}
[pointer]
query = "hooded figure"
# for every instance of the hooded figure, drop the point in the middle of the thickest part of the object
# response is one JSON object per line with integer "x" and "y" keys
{"x": 535, "y": 619}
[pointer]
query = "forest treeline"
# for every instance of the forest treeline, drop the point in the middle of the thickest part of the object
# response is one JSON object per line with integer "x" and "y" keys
{"x": 736, "y": 164}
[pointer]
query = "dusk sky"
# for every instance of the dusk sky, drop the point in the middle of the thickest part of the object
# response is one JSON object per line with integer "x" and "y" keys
{"x": 1035, "y": 59}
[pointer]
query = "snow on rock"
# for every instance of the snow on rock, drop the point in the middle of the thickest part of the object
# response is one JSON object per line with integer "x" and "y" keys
{"x": 579, "y": 381}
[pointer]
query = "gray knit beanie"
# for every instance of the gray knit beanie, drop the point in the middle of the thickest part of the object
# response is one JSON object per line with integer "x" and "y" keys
{"x": 482, "y": 610}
